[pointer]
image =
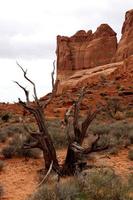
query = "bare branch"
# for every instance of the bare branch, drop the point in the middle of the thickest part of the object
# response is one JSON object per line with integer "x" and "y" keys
{"x": 31, "y": 110}
{"x": 76, "y": 105}
{"x": 90, "y": 117}
{"x": 31, "y": 145}
{"x": 25, "y": 76}
{"x": 91, "y": 147}
{"x": 76, "y": 147}
{"x": 26, "y": 91}
{"x": 46, "y": 176}
{"x": 67, "y": 121}
{"x": 33, "y": 134}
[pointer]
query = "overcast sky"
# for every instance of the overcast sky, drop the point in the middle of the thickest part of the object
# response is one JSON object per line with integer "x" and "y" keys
{"x": 28, "y": 30}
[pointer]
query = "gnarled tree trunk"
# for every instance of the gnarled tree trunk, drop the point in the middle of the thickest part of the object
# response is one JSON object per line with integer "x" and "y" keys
{"x": 43, "y": 139}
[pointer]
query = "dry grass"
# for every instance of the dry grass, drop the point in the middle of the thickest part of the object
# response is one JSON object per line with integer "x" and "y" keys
{"x": 93, "y": 185}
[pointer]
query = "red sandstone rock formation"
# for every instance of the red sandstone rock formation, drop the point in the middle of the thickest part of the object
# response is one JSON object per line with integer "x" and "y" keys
{"x": 85, "y": 50}
{"x": 125, "y": 46}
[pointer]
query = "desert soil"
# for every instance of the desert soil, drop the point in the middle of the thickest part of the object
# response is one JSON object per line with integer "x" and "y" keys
{"x": 19, "y": 177}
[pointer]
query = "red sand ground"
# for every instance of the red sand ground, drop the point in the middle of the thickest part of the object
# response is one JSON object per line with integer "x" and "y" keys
{"x": 19, "y": 177}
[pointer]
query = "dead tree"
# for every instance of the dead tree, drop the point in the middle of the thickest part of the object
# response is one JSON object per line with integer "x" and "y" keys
{"x": 43, "y": 139}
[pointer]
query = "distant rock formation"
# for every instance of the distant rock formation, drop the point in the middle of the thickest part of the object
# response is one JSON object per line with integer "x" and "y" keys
{"x": 125, "y": 46}
{"x": 85, "y": 50}
{"x": 85, "y": 56}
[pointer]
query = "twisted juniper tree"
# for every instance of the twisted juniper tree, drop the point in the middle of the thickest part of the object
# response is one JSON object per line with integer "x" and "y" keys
{"x": 42, "y": 138}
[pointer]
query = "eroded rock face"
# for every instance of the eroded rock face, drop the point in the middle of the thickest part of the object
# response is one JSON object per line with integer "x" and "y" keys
{"x": 88, "y": 77}
{"x": 125, "y": 46}
{"x": 79, "y": 56}
{"x": 85, "y": 50}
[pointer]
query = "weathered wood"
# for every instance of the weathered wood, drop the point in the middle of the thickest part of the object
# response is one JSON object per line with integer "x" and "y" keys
{"x": 43, "y": 139}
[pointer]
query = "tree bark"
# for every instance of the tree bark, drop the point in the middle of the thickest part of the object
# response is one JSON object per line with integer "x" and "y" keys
{"x": 43, "y": 138}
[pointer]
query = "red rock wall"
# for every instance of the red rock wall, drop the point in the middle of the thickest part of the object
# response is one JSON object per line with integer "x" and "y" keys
{"x": 85, "y": 50}
{"x": 125, "y": 46}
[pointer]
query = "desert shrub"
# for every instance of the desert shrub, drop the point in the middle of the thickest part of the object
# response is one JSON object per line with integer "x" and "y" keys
{"x": 130, "y": 181}
{"x": 19, "y": 151}
{"x": 3, "y": 136}
{"x": 130, "y": 135}
{"x": 1, "y": 165}
{"x": 15, "y": 148}
{"x": 103, "y": 142}
{"x": 68, "y": 190}
{"x": 28, "y": 153}
{"x": 1, "y": 191}
{"x": 100, "y": 129}
{"x": 18, "y": 136}
{"x": 113, "y": 150}
{"x": 120, "y": 87}
{"x": 129, "y": 113}
{"x": 58, "y": 135}
{"x": 104, "y": 94}
{"x": 11, "y": 130}
{"x": 117, "y": 134}
{"x": 15, "y": 129}
{"x": 119, "y": 115}
{"x": 17, "y": 141}
{"x": 8, "y": 151}
{"x": 103, "y": 184}
{"x": 103, "y": 78}
{"x": 59, "y": 139}
{"x": 113, "y": 105}
{"x": 122, "y": 131}
{"x": 43, "y": 193}
{"x": 130, "y": 154}
{"x": 5, "y": 117}
{"x": 61, "y": 191}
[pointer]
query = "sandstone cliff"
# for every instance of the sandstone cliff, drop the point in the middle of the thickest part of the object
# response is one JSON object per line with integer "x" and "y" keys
{"x": 85, "y": 50}
{"x": 125, "y": 46}
{"x": 84, "y": 57}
